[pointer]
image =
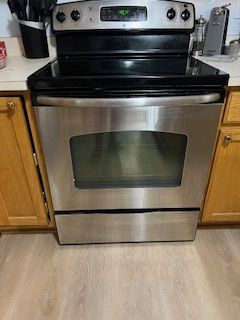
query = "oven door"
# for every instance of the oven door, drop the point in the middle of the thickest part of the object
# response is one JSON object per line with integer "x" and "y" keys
{"x": 128, "y": 153}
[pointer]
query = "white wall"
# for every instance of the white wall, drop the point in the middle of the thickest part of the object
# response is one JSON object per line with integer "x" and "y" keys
{"x": 9, "y": 27}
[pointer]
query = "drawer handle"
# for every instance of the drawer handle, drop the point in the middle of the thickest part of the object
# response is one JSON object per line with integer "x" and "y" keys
{"x": 227, "y": 139}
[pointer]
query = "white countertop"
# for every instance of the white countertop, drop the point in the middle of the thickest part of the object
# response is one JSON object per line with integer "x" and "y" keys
{"x": 232, "y": 68}
{"x": 14, "y": 76}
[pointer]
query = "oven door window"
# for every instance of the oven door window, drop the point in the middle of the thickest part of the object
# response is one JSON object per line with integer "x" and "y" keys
{"x": 128, "y": 159}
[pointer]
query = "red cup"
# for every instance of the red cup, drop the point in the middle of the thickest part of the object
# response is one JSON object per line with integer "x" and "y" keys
{"x": 2, "y": 59}
{"x": 3, "y": 48}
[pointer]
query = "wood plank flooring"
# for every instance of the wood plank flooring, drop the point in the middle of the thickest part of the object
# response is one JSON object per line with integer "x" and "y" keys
{"x": 40, "y": 280}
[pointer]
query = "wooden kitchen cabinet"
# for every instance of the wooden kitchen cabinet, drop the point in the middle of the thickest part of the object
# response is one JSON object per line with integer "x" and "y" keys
{"x": 222, "y": 203}
{"x": 21, "y": 195}
{"x": 232, "y": 111}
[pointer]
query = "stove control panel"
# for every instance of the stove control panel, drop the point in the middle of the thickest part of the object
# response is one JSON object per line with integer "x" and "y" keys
{"x": 124, "y": 14}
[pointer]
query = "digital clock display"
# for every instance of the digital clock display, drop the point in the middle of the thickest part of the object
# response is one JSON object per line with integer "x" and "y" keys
{"x": 123, "y": 12}
{"x": 128, "y": 13}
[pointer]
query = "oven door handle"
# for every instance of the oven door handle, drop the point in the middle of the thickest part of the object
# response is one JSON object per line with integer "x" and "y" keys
{"x": 128, "y": 102}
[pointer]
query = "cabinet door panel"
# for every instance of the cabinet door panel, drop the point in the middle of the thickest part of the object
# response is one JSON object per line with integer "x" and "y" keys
{"x": 19, "y": 185}
{"x": 223, "y": 198}
{"x": 3, "y": 212}
{"x": 232, "y": 113}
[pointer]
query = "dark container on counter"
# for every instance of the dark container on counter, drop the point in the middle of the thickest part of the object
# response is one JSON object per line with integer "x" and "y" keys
{"x": 34, "y": 39}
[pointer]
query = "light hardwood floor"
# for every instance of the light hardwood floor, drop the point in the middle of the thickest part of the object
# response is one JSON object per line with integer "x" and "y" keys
{"x": 40, "y": 280}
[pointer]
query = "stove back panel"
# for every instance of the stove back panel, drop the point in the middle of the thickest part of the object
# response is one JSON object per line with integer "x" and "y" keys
{"x": 75, "y": 43}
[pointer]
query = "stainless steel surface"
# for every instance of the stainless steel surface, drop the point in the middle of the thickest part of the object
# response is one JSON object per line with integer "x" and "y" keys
{"x": 228, "y": 138}
{"x": 221, "y": 9}
{"x": 129, "y": 102}
{"x": 156, "y": 15}
{"x": 234, "y": 48}
{"x": 216, "y": 31}
{"x": 74, "y": 228}
{"x": 58, "y": 124}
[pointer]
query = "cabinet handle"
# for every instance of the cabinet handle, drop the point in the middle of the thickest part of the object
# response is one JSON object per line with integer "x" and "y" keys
{"x": 11, "y": 106}
{"x": 227, "y": 138}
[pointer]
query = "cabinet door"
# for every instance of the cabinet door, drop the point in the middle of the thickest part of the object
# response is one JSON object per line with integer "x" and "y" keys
{"x": 21, "y": 201}
{"x": 232, "y": 112}
{"x": 223, "y": 198}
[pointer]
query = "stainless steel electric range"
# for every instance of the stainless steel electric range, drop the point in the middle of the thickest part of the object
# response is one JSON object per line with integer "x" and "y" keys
{"x": 127, "y": 121}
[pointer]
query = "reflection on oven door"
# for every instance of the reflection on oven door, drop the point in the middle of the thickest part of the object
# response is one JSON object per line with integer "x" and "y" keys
{"x": 127, "y": 157}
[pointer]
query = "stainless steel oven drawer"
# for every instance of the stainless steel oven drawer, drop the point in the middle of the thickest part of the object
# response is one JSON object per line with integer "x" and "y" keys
{"x": 80, "y": 228}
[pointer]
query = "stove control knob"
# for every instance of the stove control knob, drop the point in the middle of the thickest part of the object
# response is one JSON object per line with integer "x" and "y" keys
{"x": 60, "y": 16}
{"x": 171, "y": 14}
{"x": 75, "y": 14}
{"x": 185, "y": 15}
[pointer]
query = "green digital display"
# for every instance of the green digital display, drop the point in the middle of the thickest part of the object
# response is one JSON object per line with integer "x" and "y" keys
{"x": 123, "y": 12}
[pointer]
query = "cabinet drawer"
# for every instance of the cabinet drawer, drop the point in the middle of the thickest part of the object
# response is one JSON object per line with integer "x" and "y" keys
{"x": 232, "y": 113}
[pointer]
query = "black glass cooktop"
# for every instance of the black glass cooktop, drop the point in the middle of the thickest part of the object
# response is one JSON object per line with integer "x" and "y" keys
{"x": 126, "y": 74}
